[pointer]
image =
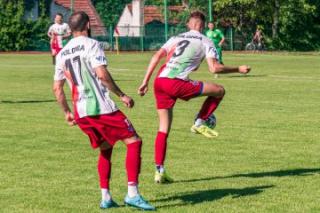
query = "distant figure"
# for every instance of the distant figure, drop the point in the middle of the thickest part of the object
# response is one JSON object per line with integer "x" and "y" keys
{"x": 258, "y": 38}
{"x": 58, "y": 34}
{"x": 217, "y": 37}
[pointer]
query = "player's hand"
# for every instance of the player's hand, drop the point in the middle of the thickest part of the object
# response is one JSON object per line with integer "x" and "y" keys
{"x": 143, "y": 89}
{"x": 244, "y": 69}
{"x": 70, "y": 119}
{"x": 128, "y": 101}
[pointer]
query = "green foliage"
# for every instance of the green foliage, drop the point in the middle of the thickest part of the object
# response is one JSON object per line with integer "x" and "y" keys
{"x": 17, "y": 33}
{"x": 38, "y": 33}
{"x": 13, "y": 31}
{"x": 104, "y": 8}
{"x": 297, "y": 30}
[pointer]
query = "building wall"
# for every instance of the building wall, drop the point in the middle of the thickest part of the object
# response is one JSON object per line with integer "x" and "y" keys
{"x": 131, "y": 24}
{"x": 33, "y": 14}
{"x": 54, "y": 9}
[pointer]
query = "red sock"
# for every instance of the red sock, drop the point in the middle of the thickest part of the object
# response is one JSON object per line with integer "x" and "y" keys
{"x": 104, "y": 168}
{"x": 208, "y": 107}
{"x": 160, "y": 147}
{"x": 133, "y": 161}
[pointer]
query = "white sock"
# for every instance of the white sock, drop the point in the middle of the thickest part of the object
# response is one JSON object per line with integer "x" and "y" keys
{"x": 132, "y": 190}
{"x": 160, "y": 168}
{"x": 199, "y": 122}
{"x": 105, "y": 194}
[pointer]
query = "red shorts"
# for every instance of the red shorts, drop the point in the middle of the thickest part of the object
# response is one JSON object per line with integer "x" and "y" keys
{"x": 106, "y": 128}
{"x": 167, "y": 91}
{"x": 55, "y": 49}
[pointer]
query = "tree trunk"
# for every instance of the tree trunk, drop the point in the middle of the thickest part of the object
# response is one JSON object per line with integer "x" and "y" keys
{"x": 275, "y": 24}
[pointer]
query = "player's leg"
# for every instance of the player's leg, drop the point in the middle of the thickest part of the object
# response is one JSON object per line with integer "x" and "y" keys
{"x": 54, "y": 60}
{"x": 219, "y": 51}
{"x": 215, "y": 95}
{"x": 133, "y": 165}
{"x": 104, "y": 170}
{"x": 160, "y": 146}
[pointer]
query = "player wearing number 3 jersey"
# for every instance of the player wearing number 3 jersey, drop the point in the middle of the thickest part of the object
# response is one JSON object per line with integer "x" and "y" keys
{"x": 83, "y": 64}
{"x": 184, "y": 54}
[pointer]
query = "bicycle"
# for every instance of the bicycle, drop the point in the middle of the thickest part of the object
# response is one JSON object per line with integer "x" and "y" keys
{"x": 253, "y": 46}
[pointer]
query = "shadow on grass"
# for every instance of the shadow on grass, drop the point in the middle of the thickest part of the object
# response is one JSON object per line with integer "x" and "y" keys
{"x": 279, "y": 173}
{"x": 27, "y": 101}
{"x": 196, "y": 197}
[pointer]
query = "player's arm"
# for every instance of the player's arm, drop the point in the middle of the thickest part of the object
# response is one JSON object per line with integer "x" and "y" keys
{"x": 68, "y": 32}
{"x": 216, "y": 67}
{"x": 152, "y": 65}
{"x": 67, "y": 35}
{"x": 50, "y": 35}
{"x": 107, "y": 81}
{"x": 222, "y": 39}
{"x": 62, "y": 101}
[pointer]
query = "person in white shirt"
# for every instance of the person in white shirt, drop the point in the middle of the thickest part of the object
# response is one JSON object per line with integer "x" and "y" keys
{"x": 82, "y": 63}
{"x": 184, "y": 54}
{"x": 58, "y": 33}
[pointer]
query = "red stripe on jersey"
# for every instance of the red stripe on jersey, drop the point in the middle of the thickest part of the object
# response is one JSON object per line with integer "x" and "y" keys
{"x": 171, "y": 52}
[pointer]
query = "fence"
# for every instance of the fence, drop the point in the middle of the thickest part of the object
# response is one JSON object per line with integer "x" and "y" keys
{"x": 152, "y": 37}
{"x": 149, "y": 38}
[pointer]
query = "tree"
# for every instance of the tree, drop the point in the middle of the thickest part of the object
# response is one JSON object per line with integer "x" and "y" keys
{"x": 110, "y": 10}
{"x": 13, "y": 31}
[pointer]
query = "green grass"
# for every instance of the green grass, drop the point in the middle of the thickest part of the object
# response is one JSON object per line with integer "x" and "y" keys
{"x": 266, "y": 159}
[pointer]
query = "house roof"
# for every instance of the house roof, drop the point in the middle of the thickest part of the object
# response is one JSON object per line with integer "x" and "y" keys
{"x": 154, "y": 13}
{"x": 86, "y": 6}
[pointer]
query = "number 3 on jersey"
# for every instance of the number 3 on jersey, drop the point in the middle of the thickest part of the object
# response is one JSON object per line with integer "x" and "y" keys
{"x": 181, "y": 46}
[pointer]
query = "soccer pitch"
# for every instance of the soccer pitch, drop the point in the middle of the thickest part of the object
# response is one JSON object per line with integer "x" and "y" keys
{"x": 266, "y": 158}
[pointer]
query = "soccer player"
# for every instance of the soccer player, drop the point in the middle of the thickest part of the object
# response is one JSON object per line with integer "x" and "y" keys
{"x": 58, "y": 33}
{"x": 217, "y": 37}
{"x": 184, "y": 54}
{"x": 83, "y": 64}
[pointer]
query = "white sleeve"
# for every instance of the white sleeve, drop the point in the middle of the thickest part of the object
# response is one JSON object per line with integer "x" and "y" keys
{"x": 168, "y": 45}
{"x": 68, "y": 28}
{"x": 59, "y": 74}
{"x": 50, "y": 29}
{"x": 96, "y": 55}
{"x": 211, "y": 51}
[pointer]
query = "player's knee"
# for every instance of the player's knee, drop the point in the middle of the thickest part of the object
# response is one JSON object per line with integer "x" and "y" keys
{"x": 222, "y": 91}
{"x": 132, "y": 140}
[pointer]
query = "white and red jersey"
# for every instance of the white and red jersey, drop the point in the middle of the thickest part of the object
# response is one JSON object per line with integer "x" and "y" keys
{"x": 76, "y": 63}
{"x": 185, "y": 53}
{"x": 57, "y": 31}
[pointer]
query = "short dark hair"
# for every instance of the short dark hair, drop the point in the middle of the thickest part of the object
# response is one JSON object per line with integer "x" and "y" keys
{"x": 59, "y": 14}
{"x": 211, "y": 22}
{"x": 78, "y": 21}
{"x": 198, "y": 15}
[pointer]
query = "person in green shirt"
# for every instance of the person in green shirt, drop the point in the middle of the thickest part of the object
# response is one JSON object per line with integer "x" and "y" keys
{"x": 217, "y": 37}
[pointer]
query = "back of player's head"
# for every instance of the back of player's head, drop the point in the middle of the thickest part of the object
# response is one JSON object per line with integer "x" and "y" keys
{"x": 78, "y": 21}
{"x": 198, "y": 15}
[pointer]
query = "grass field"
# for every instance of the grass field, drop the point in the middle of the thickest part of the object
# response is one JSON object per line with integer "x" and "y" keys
{"x": 266, "y": 159}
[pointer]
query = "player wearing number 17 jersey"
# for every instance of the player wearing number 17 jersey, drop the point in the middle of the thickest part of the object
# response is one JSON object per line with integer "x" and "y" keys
{"x": 83, "y": 64}
{"x": 184, "y": 54}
